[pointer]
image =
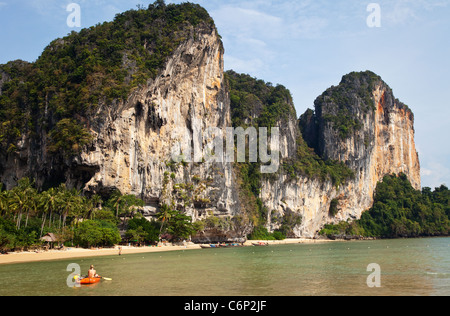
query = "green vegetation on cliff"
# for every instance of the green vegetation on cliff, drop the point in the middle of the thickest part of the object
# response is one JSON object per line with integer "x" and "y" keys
{"x": 339, "y": 105}
{"x": 401, "y": 211}
{"x": 308, "y": 163}
{"x": 255, "y": 103}
{"x": 99, "y": 65}
{"x": 259, "y": 104}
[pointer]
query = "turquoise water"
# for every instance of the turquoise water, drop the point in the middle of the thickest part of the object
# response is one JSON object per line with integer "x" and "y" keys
{"x": 408, "y": 267}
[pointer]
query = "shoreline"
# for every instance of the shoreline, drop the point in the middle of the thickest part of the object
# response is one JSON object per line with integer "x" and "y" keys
{"x": 79, "y": 253}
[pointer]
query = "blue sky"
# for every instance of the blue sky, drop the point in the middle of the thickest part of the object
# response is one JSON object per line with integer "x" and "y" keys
{"x": 306, "y": 45}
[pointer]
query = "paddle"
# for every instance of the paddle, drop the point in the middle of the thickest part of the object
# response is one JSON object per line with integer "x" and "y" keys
{"x": 106, "y": 279}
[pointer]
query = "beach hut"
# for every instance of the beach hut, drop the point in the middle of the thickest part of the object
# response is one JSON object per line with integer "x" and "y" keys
{"x": 50, "y": 238}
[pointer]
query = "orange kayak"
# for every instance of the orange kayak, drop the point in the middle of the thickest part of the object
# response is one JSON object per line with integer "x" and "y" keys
{"x": 90, "y": 280}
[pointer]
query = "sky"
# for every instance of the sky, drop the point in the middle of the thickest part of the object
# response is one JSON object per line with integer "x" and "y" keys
{"x": 305, "y": 45}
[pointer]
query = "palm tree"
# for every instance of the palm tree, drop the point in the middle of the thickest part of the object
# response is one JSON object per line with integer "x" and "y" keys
{"x": 74, "y": 205}
{"x": 81, "y": 206}
{"x": 4, "y": 201}
{"x": 93, "y": 204}
{"x": 124, "y": 204}
{"x": 17, "y": 204}
{"x": 49, "y": 202}
{"x": 164, "y": 215}
{"x": 20, "y": 203}
{"x": 44, "y": 205}
{"x": 21, "y": 200}
{"x": 131, "y": 202}
{"x": 117, "y": 201}
{"x": 32, "y": 205}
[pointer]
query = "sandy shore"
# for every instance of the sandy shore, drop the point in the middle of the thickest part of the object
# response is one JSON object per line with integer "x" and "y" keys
{"x": 71, "y": 253}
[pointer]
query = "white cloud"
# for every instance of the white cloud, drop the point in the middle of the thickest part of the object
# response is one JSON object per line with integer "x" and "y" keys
{"x": 92, "y": 11}
{"x": 248, "y": 65}
{"x": 401, "y": 13}
{"x": 286, "y": 21}
{"x": 257, "y": 34}
{"x": 246, "y": 23}
{"x": 405, "y": 11}
{"x": 432, "y": 4}
{"x": 47, "y": 7}
{"x": 434, "y": 174}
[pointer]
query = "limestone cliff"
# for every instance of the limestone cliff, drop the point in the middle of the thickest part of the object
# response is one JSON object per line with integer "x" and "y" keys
{"x": 361, "y": 124}
{"x": 133, "y": 140}
{"x": 99, "y": 134}
{"x": 133, "y": 145}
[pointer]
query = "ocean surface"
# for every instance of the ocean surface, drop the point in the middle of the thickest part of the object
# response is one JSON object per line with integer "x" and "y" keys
{"x": 408, "y": 267}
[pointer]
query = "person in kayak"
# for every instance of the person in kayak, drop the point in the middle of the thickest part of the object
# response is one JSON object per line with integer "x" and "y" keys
{"x": 92, "y": 273}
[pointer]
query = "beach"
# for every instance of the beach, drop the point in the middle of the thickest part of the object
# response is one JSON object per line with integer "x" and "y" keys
{"x": 72, "y": 252}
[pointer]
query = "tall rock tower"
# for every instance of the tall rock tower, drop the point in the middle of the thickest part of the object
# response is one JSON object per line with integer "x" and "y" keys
{"x": 362, "y": 124}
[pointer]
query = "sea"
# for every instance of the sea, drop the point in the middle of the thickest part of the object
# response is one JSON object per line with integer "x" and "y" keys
{"x": 399, "y": 267}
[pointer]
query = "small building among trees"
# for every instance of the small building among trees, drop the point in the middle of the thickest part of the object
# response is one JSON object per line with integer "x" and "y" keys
{"x": 50, "y": 238}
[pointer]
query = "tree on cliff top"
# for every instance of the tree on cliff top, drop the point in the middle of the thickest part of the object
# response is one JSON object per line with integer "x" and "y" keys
{"x": 259, "y": 104}
{"x": 99, "y": 65}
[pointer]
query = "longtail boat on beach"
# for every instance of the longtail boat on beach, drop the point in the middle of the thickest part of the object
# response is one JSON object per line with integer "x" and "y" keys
{"x": 235, "y": 245}
{"x": 257, "y": 244}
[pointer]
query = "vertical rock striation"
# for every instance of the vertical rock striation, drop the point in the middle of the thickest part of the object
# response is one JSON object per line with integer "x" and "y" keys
{"x": 361, "y": 124}
{"x": 133, "y": 146}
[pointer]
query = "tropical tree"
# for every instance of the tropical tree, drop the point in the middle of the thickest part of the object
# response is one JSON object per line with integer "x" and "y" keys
{"x": 88, "y": 234}
{"x": 96, "y": 233}
{"x": 180, "y": 226}
{"x": 3, "y": 201}
{"x": 175, "y": 223}
{"x": 22, "y": 199}
{"x": 117, "y": 201}
{"x": 131, "y": 205}
{"x": 143, "y": 230}
{"x": 164, "y": 215}
{"x": 73, "y": 204}
{"x": 32, "y": 205}
{"x": 49, "y": 203}
{"x": 93, "y": 204}
{"x": 137, "y": 235}
{"x": 124, "y": 204}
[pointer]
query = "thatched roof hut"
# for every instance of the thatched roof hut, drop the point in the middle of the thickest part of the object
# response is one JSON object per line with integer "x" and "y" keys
{"x": 50, "y": 237}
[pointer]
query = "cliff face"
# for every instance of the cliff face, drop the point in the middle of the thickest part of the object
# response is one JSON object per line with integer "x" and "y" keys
{"x": 134, "y": 145}
{"x": 361, "y": 124}
{"x": 134, "y": 140}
